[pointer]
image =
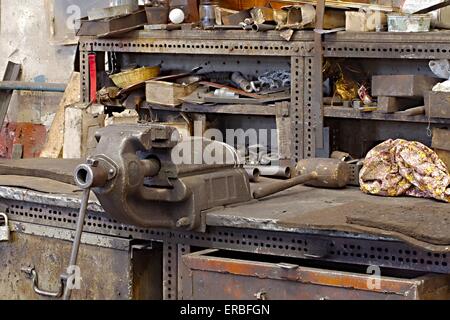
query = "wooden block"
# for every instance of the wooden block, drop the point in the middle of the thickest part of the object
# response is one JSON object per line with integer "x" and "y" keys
{"x": 79, "y": 130}
{"x": 393, "y": 104}
{"x": 402, "y": 85}
{"x": 364, "y": 21}
{"x": 444, "y": 155}
{"x": 284, "y": 131}
{"x": 437, "y": 104}
{"x": 169, "y": 93}
{"x": 54, "y": 145}
{"x": 441, "y": 139}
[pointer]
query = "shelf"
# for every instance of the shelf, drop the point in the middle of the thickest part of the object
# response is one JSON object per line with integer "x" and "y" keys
{"x": 246, "y": 110}
{"x": 348, "y": 113}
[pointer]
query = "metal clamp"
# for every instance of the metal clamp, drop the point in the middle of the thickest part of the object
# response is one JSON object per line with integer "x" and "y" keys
{"x": 33, "y": 276}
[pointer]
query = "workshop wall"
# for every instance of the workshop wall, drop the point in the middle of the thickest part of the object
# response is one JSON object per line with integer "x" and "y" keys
{"x": 26, "y": 39}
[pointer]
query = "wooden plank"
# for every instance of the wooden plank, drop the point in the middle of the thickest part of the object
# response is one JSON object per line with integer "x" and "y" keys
{"x": 82, "y": 121}
{"x": 407, "y": 86}
{"x": 341, "y": 4}
{"x": 53, "y": 147}
{"x": 349, "y": 113}
{"x": 12, "y": 73}
{"x": 441, "y": 139}
{"x": 284, "y": 130}
{"x": 393, "y": 104}
{"x": 437, "y": 104}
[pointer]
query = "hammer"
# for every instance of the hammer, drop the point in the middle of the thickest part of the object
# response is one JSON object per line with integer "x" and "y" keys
{"x": 321, "y": 173}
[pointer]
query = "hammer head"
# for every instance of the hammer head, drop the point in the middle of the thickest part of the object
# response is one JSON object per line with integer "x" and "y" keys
{"x": 331, "y": 173}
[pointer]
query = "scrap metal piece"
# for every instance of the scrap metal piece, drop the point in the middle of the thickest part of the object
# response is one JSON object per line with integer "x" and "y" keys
{"x": 262, "y": 15}
{"x": 263, "y": 27}
{"x": 234, "y": 19}
{"x": 239, "y": 79}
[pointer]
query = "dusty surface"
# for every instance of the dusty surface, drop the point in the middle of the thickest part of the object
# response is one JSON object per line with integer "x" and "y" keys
{"x": 305, "y": 209}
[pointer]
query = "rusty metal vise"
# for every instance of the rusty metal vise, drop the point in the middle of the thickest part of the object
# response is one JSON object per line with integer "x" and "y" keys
{"x": 148, "y": 176}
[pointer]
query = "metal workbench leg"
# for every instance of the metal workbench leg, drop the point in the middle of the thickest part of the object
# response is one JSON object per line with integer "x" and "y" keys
{"x": 172, "y": 254}
{"x": 182, "y": 250}
{"x": 297, "y": 106}
{"x": 170, "y": 270}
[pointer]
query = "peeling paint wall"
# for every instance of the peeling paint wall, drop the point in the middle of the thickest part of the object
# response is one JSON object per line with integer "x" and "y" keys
{"x": 25, "y": 38}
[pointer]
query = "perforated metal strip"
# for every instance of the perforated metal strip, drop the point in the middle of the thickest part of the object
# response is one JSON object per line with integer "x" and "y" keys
{"x": 309, "y": 115}
{"x": 214, "y": 47}
{"x": 387, "y": 50}
{"x": 297, "y": 112}
{"x": 337, "y": 248}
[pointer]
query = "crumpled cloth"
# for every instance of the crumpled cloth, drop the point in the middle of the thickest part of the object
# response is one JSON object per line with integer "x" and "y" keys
{"x": 405, "y": 168}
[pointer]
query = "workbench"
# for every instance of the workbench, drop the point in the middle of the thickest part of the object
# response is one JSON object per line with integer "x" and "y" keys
{"x": 303, "y": 223}
{"x": 302, "y": 226}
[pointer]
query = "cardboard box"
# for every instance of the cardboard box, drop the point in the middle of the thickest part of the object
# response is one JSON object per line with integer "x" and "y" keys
{"x": 406, "y": 86}
{"x": 169, "y": 93}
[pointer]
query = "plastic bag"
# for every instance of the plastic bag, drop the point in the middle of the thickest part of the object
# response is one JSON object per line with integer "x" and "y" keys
{"x": 441, "y": 68}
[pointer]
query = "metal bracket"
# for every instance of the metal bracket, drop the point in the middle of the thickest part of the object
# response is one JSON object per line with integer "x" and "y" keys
{"x": 33, "y": 276}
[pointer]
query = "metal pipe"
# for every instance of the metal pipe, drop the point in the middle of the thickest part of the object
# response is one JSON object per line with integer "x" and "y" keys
{"x": 263, "y": 27}
{"x": 272, "y": 171}
{"x": 77, "y": 240}
{"x": 223, "y": 27}
{"x": 253, "y": 174}
{"x": 32, "y": 86}
{"x": 240, "y": 81}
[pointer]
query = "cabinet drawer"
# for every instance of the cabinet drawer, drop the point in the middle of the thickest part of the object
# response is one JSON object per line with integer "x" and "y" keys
{"x": 222, "y": 275}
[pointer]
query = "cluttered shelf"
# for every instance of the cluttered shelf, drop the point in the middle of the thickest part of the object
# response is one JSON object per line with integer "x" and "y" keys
{"x": 251, "y": 110}
{"x": 350, "y": 113}
{"x": 441, "y": 36}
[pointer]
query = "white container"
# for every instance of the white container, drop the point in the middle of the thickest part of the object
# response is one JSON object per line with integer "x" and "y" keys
{"x": 409, "y": 23}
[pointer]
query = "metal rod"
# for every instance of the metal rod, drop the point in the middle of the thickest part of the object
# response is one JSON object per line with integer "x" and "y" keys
{"x": 317, "y": 73}
{"x": 32, "y": 86}
{"x": 77, "y": 240}
{"x": 274, "y": 188}
{"x": 272, "y": 171}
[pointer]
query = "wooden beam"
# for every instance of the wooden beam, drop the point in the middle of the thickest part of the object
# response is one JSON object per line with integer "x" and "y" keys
{"x": 53, "y": 147}
{"x": 12, "y": 73}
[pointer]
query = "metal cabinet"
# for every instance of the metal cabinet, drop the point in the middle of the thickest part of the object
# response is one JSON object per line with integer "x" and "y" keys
{"x": 213, "y": 274}
{"x": 110, "y": 267}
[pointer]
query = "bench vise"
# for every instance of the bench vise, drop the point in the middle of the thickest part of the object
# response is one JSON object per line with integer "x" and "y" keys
{"x": 148, "y": 176}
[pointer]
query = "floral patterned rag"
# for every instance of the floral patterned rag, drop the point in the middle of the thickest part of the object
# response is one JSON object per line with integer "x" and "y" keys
{"x": 399, "y": 167}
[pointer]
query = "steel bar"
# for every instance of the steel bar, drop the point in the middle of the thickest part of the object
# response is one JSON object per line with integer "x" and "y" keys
{"x": 317, "y": 73}
{"x": 32, "y": 86}
{"x": 12, "y": 73}
{"x": 77, "y": 240}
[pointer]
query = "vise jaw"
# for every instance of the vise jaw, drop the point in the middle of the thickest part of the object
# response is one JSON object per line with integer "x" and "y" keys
{"x": 148, "y": 176}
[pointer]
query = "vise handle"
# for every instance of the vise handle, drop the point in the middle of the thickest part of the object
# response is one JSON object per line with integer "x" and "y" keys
{"x": 276, "y": 187}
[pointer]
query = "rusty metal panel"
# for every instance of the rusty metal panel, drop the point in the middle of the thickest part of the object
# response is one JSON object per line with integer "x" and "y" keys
{"x": 110, "y": 267}
{"x": 206, "y": 275}
{"x": 50, "y": 257}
